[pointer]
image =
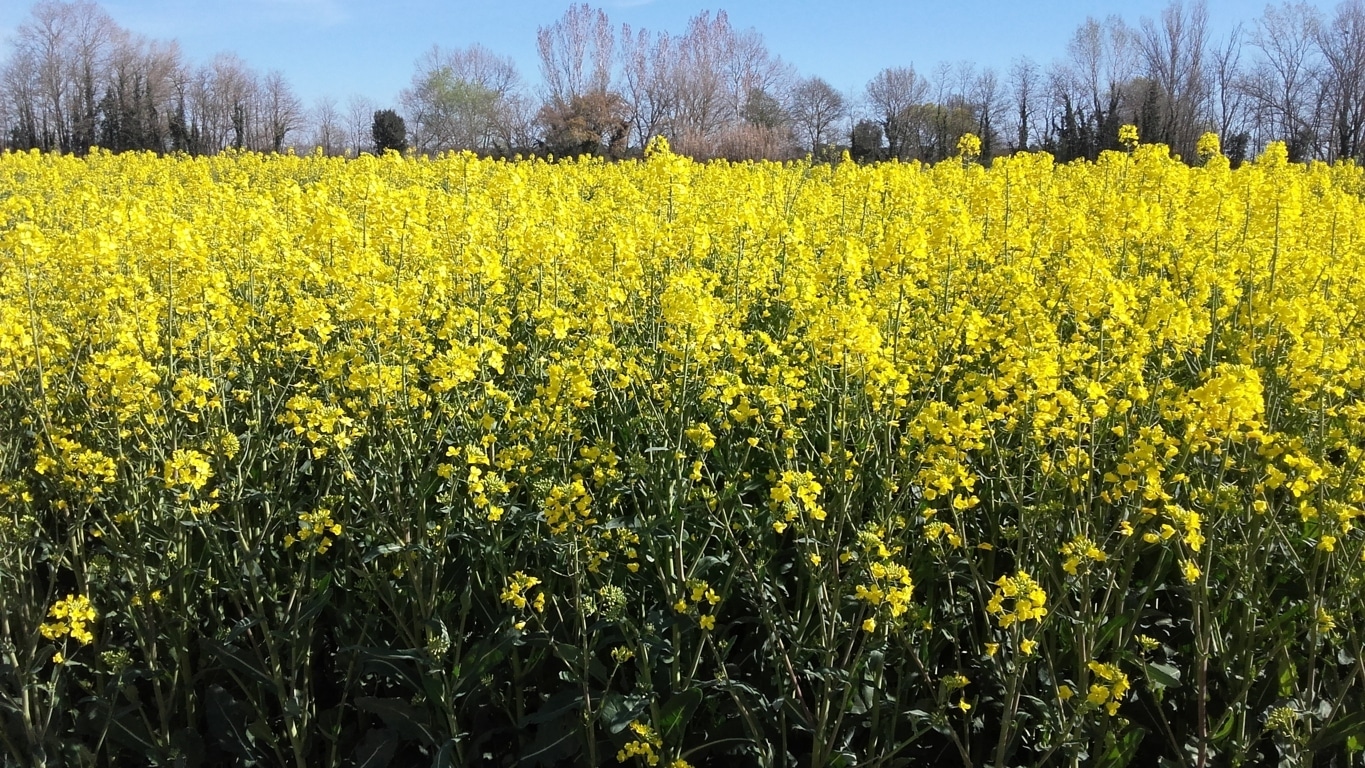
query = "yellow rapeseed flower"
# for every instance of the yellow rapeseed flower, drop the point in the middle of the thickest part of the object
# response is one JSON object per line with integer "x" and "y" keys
{"x": 71, "y": 616}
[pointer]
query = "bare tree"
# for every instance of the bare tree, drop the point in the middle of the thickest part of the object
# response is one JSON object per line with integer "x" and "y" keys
{"x": 1085, "y": 52}
{"x": 1068, "y": 129}
{"x": 93, "y": 40}
{"x": 22, "y": 100}
{"x": 163, "y": 68}
{"x": 360, "y": 123}
{"x": 576, "y": 54}
{"x": 890, "y": 96}
{"x": 933, "y": 123}
{"x": 63, "y": 51}
{"x": 1024, "y": 87}
{"x": 650, "y": 82}
{"x": 1342, "y": 43}
{"x": 1283, "y": 84}
{"x": 8, "y": 115}
{"x": 1101, "y": 58}
{"x": 726, "y": 80}
{"x": 229, "y": 108}
{"x": 701, "y": 56}
{"x": 816, "y": 109}
{"x": 131, "y": 107}
{"x": 455, "y": 98}
{"x": 987, "y": 99}
{"x": 752, "y": 73}
{"x": 515, "y": 126}
{"x": 45, "y": 39}
{"x": 222, "y": 107}
{"x": 328, "y": 133}
{"x": 202, "y": 124}
{"x": 1174, "y": 55}
{"x": 1227, "y": 99}
{"x": 281, "y": 112}
{"x": 74, "y": 79}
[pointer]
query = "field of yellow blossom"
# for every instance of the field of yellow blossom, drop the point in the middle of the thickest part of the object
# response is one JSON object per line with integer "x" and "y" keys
{"x": 403, "y": 461}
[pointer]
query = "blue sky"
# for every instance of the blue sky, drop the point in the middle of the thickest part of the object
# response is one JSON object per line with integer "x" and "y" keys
{"x": 345, "y": 47}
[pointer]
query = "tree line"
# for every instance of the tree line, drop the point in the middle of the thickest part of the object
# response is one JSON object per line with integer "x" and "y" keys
{"x": 74, "y": 79}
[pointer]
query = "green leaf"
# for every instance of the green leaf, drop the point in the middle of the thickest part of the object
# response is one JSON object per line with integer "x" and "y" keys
{"x": 233, "y": 660}
{"x": 1289, "y": 674}
{"x": 407, "y": 721}
{"x": 190, "y": 744}
{"x": 557, "y": 705}
{"x": 126, "y": 729}
{"x": 383, "y": 549}
{"x": 555, "y": 744}
{"x": 377, "y": 748}
{"x": 322, "y": 597}
{"x": 572, "y": 656}
{"x": 394, "y": 665}
{"x": 1119, "y": 750}
{"x": 1111, "y": 628}
{"x": 1350, "y": 726}
{"x": 446, "y": 757}
{"x": 1164, "y": 675}
{"x": 618, "y": 711}
{"x": 678, "y": 711}
{"x": 226, "y": 719}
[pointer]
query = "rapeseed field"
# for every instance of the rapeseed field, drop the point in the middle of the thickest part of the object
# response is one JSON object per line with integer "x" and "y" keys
{"x": 458, "y": 461}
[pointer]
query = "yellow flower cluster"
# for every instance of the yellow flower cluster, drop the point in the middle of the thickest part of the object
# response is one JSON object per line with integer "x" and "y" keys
{"x": 72, "y": 615}
{"x": 1208, "y": 145}
{"x": 1128, "y": 136}
{"x": 1078, "y": 551}
{"x": 795, "y": 499}
{"x": 969, "y": 146}
{"x": 518, "y": 589}
{"x": 1027, "y": 600}
{"x": 85, "y": 471}
{"x": 321, "y": 424}
{"x": 889, "y": 584}
{"x": 1326, "y": 622}
{"x": 701, "y": 596}
{"x": 644, "y": 746}
{"x": 188, "y": 468}
{"x": 1108, "y": 693}
{"x": 568, "y": 506}
{"x": 316, "y": 529}
{"x": 886, "y": 587}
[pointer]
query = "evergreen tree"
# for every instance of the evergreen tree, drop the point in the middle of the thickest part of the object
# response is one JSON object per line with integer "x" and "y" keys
{"x": 389, "y": 131}
{"x": 865, "y": 145}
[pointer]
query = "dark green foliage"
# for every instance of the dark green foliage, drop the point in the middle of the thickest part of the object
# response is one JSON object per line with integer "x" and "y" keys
{"x": 389, "y": 131}
{"x": 866, "y": 142}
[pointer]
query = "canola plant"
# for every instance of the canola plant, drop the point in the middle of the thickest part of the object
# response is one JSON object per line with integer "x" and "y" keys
{"x": 458, "y": 461}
